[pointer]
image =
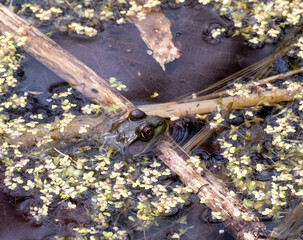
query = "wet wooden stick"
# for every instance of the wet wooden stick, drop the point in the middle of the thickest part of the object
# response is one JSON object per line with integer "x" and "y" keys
{"x": 66, "y": 66}
{"x": 175, "y": 109}
{"x": 206, "y": 186}
{"x": 87, "y": 82}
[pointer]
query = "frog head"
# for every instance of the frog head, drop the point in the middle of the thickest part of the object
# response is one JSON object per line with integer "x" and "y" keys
{"x": 137, "y": 133}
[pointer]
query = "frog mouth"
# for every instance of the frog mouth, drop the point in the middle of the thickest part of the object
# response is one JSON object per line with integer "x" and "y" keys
{"x": 131, "y": 140}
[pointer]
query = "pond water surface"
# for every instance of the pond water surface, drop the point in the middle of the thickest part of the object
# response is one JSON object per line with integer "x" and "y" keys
{"x": 119, "y": 52}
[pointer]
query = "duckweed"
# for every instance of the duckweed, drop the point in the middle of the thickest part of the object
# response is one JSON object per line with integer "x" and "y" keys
{"x": 258, "y": 21}
{"x": 84, "y": 174}
{"x": 108, "y": 184}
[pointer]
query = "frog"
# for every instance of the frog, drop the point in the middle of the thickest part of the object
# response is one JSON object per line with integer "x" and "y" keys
{"x": 137, "y": 133}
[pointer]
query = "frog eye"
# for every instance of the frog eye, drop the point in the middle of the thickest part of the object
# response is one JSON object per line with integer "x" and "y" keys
{"x": 136, "y": 115}
{"x": 147, "y": 132}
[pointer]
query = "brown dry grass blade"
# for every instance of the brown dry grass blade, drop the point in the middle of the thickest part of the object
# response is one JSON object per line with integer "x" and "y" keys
{"x": 254, "y": 72}
{"x": 258, "y": 70}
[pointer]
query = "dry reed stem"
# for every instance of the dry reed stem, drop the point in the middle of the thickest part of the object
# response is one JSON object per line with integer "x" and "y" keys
{"x": 176, "y": 109}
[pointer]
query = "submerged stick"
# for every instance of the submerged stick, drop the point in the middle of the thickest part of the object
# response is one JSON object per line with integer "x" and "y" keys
{"x": 87, "y": 82}
{"x": 291, "y": 226}
{"x": 51, "y": 134}
{"x": 175, "y": 109}
{"x": 155, "y": 32}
